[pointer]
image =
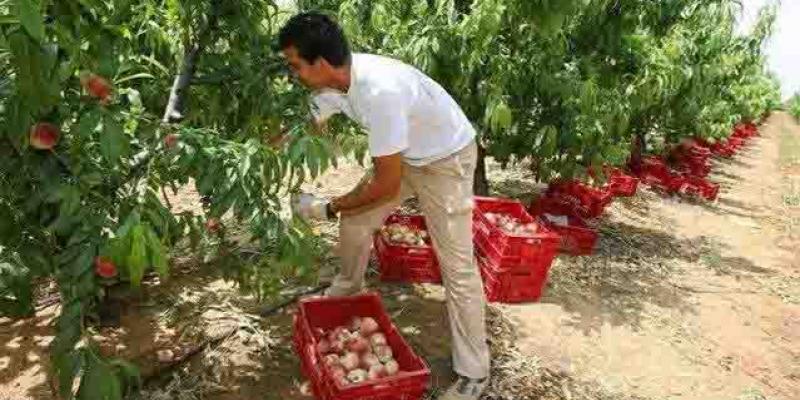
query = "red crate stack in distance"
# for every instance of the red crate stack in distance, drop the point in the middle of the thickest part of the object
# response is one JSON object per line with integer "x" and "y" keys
{"x": 618, "y": 183}
{"x": 587, "y": 201}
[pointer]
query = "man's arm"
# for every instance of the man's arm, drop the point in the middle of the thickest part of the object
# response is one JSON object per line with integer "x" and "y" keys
{"x": 383, "y": 185}
{"x": 387, "y": 122}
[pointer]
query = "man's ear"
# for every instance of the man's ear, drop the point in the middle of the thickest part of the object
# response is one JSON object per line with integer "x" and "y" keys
{"x": 321, "y": 64}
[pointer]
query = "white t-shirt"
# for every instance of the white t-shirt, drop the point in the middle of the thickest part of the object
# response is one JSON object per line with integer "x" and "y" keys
{"x": 403, "y": 110}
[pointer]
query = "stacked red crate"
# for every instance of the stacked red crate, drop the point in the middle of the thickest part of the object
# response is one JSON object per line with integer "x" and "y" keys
{"x": 514, "y": 267}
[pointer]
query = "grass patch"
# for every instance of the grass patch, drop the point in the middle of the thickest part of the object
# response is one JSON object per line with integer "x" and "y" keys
{"x": 752, "y": 394}
{"x": 713, "y": 260}
{"x": 790, "y": 146}
{"x": 791, "y": 200}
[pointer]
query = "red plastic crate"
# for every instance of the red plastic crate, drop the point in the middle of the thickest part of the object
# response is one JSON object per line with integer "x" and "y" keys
{"x": 751, "y": 128}
{"x": 745, "y": 130}
{"x": 622, "y": 185}
{"x": 328, "y": 312}
{"x": 577, "y": 238}
{"x": 700, "y": 187}
{"x": 723, "y": 150}
{"x": 618, "y": 183}
{"x": 697, "y": 150}
{"x": 403, "y": 263}
{"x": 694, "y": 168}
{"x": 720, "y": 148}
{"x": 519, "y": 254}
{"x": 655, "y": 165}
{"x": 546, "y": 204}
{"x": 588, "y": 202}
{"x": 690, "y": 157}
{"x": 655, "y": 172}
{"x": 736, "y": 142}
{"x": 510, "y": 287}
{"x": 692, "y": 150}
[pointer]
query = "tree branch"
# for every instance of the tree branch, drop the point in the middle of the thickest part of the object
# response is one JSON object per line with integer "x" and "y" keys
{"x": 180, "y": 87}
{"x": 174, "y": 111}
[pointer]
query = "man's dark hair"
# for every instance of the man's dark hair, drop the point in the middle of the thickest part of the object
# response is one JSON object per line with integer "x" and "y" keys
{"x": 315, "y": 35}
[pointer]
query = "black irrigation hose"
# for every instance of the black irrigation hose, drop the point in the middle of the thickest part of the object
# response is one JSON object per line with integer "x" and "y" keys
{"x": 272, "y": 308}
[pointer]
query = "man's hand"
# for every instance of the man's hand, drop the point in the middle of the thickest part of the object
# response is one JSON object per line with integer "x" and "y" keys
{"x": 310, "y": 207}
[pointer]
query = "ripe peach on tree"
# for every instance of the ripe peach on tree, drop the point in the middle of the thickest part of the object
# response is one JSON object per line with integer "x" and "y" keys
{"x": 44, "y": 136}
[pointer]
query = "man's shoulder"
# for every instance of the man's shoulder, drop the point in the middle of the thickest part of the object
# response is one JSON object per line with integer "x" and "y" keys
{"x": 369, "y": 60}
{"x": 380, "y": 76}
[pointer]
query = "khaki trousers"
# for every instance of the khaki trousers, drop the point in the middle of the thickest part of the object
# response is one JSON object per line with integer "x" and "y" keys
{"x": 444, "y": 191}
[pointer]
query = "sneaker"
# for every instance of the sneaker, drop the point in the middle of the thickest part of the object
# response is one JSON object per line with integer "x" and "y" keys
{"x": 466, "y": 389}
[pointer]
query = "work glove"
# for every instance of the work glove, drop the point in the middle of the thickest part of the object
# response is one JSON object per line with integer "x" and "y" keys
{"x": 310, "y": 207}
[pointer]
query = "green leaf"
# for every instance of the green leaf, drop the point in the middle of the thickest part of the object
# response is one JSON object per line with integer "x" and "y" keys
{"x": 131, "y": 221}
{"x": 107, "y": 56}
{"x": 312, "y": 158}
{"x": 117, "y": 250}
{"x": 27, "y": 58}
{"x": 501, "y": 117}
{"x": 113, "y": 142}
{"x": 206, "y": 181}
{"x": 92, "y": 179}
{"x": 68, "y": 365}
{"x": 99, "y": 382}
{"x": 88, "y": 123}
{"x": 127, "y": 372}
{"x": 83, "y": 264}
{"x": 16, "y": 290}
{"x": 551, "y": 140}
{"x": 69, "y": 332}
{"x": 29, "y": 13}
{"x": 70, "y": 197}
{"x": 244, "y": 165}
{"x": 156, "y": 253}
{"x": 137, "y": 257}
{"x": 8, "y": 20}
{"x": 17, "y": 122}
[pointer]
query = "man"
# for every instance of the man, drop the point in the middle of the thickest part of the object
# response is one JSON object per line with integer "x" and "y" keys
{"x": 422, "y": 145}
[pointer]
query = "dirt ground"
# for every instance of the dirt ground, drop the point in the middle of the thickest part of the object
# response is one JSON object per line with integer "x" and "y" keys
{"x": 683, "y": 300}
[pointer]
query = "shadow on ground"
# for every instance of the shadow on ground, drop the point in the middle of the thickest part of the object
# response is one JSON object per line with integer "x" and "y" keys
{"x": 24, "y": 365}
{"x": 637, "y": 262}
{"x": 632, "y": 266}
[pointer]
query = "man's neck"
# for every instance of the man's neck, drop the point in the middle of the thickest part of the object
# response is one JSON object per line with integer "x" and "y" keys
{"x": 341, "y": 79}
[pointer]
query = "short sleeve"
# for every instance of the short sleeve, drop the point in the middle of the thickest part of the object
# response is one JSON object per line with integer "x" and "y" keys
{"x": 387, "y": 122}
{"x": 324, "y": 106}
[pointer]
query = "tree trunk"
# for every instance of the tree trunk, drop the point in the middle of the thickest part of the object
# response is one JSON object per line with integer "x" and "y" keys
{"x": 481, "y": 184}
{"x": 637, "y": 150}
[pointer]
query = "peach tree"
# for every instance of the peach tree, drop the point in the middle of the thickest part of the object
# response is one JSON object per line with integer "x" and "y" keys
{"x": 105, "y": 105}
{"x": 794, "y": 106}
